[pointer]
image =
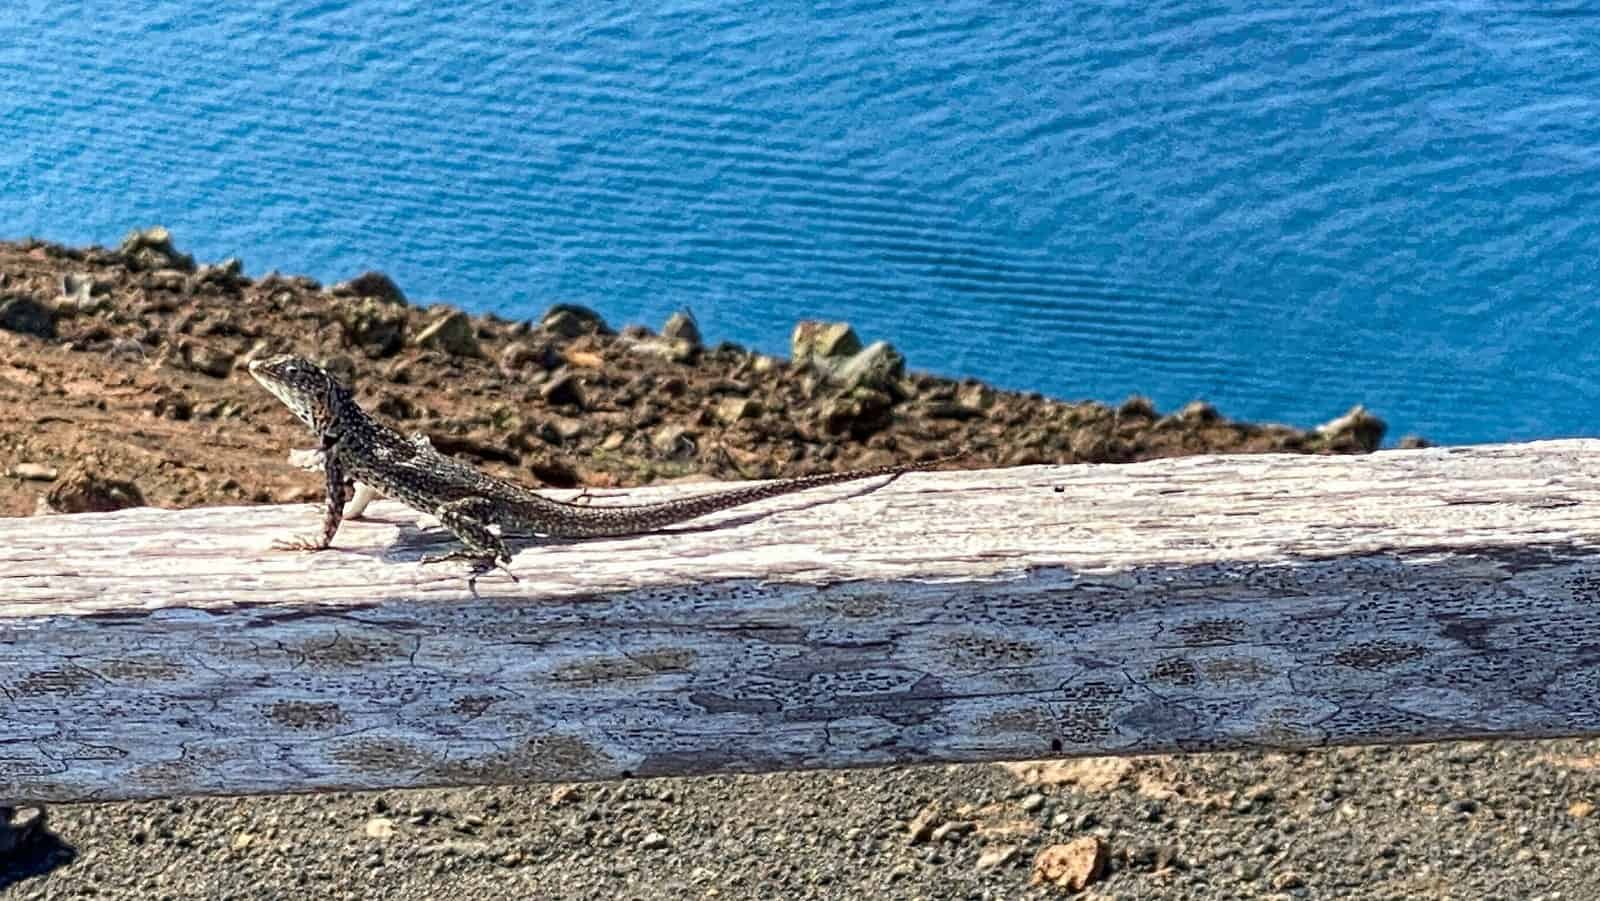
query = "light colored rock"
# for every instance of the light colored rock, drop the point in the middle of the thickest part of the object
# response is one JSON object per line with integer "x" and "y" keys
{"x": 451, "y": 333}
{"x": 1074, "y": 866}
{"x": 674, "y": 441}
{"x": 34, "y": 472}
{"x": 813, "y": 341}
{"x": 996, "y": 856}
{"x": 1358, "y": 426}
{"x": 681, "y": 326}
{"x": 371, "y": 284}
{"x": 921, "y": 827}
{"x": 379, "y": 828}
{"x": 563, "y": 390}
{"x": 732, "y": 409}
{"x": 879, "y": 367}
{"x": 522, "y": 354}
{"x": 570, "y": 320}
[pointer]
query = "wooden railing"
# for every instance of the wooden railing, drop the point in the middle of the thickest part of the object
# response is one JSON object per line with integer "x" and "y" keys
{"x": 1198, "y": 603}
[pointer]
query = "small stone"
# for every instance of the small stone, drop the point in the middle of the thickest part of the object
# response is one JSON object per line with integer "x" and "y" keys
{"x": 653, "y": 841}
{"x": 879, "y": 367}
{"x": 209, "y": 360}
{"x": 27, "y": 316}
{"x": 861, "y": 414}
{"x": 1580, "y": 809}
{"x": 177, "y": 409}
{"x": 567, "y": 428}
{"x": 976, "y": 396}
{"x": 762, "y": 364}
{"x": 1033, "y": 802}
{"x": 380, "y": 828}
{"x": 1198, "y": 411}
{"x": 1073, "y": 866}
{"x": 523, "y": 354}
{"x": 561, "y": 794}
{"x": 82, "y": 491}
{"x": 1357, "y": 429}
{"x": 151, "y": 248}
{"x": 451, "y": 333}
{"x": 814, "y": 341}
{"x": 570, "y": 320}
{"x": 79, "y": 293}
{"x": 584, "y": 359}
{"x": 681, "y": 326}
{"x": 1413, "y": 442}
{"x": 674, "y": 350}
{"x": 996, "y": 856}
{"x": 165, "y": 280}
{"x": 375, "y": 326}
{"x": 674, "y": 441}
{"x": 733, "y": 409}
{"x": 1287, "y": 880}
{"x": 243, "y": 840}
{"x": 614, "y": 441}
{"x": 228, "y": 274}
{"x": 34, "y": 472}
{"x": 921, "y": 827}
{"x": 950, "y": 831}
{"x": 1137, "y": 407}
{"x": 563, "y": 390}
{"x": 370, "y": 284}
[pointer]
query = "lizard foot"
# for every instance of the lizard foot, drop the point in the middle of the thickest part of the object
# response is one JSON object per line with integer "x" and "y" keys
{"x": 299, "y": 544}
{"x": 479, "y": 564}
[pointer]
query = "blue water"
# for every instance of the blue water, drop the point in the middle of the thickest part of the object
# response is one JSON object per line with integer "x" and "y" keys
{"x": 1282, "y": 210}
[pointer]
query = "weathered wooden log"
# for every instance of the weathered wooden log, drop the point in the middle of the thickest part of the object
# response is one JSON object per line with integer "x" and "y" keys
{"x": 1199, "y": 603}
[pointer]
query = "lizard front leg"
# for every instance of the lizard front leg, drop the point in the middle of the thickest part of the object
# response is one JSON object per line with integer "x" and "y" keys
{"x": 338, "y": 491}
{"x": 356, "y": 508}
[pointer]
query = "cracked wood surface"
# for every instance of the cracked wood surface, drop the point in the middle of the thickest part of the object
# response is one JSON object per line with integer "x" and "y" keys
{"x": 1198, "y": 603}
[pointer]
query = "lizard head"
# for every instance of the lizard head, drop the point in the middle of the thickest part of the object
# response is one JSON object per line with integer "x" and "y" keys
{"x": 307, "y": 389}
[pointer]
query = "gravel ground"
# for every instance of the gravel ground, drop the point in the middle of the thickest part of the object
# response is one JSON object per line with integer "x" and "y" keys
{"x": 1460, "y": 820}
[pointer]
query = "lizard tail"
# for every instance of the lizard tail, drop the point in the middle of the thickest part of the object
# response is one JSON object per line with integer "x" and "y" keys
{"x": 630, "y": 519}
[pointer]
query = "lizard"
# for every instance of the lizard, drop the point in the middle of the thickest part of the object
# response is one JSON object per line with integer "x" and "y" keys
{"x": 355, "y": 448}
{"x": 310, "y": 458}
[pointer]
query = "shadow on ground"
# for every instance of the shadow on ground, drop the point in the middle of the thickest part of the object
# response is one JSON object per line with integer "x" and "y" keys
{"x": 27, "y": 848}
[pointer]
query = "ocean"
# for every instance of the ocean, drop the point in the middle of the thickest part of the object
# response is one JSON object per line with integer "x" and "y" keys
{"x": 1284, "y": 210}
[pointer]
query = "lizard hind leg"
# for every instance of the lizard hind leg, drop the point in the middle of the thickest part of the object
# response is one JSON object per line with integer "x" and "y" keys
{"x": 468, "y": 520}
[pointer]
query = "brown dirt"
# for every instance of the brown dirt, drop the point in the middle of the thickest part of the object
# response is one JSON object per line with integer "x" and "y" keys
{"x": 144, "y": 382}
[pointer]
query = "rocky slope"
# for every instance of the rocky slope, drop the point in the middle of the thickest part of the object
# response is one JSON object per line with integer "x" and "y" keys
{"x": 122, "y": 378}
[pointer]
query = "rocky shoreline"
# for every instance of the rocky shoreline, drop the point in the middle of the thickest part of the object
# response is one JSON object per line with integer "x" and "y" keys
{"x": 122, "y": 362}
{"x": 122, "y": 383}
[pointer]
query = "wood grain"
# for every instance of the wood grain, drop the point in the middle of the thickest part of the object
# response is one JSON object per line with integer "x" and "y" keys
{"x": 1204, "y": 602}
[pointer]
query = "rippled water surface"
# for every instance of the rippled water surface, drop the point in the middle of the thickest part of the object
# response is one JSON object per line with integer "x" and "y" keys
{"x": 1283, "y": 210}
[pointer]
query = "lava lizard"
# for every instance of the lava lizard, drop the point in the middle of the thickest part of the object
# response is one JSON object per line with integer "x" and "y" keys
{"x": 355, "y": 448}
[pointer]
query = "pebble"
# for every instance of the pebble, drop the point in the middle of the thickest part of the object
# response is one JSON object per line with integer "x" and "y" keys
{"x": 34, "y": 472}
{"x": 996, "y": 856}
{"x": 453, "y": 333}
{"x": 379, "y": 828}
